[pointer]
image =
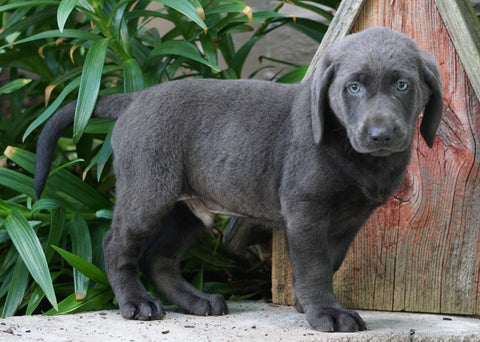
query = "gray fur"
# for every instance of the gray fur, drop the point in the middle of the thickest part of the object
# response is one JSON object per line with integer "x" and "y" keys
{"x": 315, "y": 158}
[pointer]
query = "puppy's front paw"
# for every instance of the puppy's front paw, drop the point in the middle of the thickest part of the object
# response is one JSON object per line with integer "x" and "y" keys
{"x": 142, "y": 309}
{"x": 213, "y": 305}
{"x": 334, "y": 319}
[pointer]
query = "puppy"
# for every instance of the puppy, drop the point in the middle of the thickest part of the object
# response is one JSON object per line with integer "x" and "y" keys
{"x": 315, "y": 158}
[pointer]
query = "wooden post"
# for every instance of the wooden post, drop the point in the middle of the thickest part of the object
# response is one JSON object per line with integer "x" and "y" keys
{"x": 282, "y": 288}
{"x": 421, "y": 251}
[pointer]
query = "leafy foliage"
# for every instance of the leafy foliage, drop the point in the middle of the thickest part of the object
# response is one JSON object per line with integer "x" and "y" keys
{"x": 54, "y": 52}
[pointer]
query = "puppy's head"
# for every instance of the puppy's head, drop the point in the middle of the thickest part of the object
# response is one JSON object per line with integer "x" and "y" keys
{"x": 376, "y": 82}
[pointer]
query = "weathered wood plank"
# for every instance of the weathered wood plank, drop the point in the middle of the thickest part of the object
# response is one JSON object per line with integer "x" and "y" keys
{"x": 282, "y": 288}
{"x": 464, "y": 28}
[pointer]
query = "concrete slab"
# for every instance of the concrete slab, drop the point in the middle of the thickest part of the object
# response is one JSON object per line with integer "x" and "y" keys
{"x": 247, "y": 321}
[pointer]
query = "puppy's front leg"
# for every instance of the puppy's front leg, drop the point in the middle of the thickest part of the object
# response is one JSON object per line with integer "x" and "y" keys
{"x": 312, "y": 267}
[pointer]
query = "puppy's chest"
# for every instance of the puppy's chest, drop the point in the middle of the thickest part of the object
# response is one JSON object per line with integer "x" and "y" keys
{"x": 380, "y": 186}
{"x": 377, "y": 191}
{"x": 348, "y": 209}
{"x": 374, "y": 181}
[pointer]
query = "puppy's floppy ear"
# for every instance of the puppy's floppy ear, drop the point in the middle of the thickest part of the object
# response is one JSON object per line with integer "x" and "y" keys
{"x": 434, "y": 108}
{"x": 319, "y": 87}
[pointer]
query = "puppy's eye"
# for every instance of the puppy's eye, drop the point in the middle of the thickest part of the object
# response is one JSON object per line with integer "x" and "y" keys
{"x": 402, "y": 86}
{"x": 353, "y": 88}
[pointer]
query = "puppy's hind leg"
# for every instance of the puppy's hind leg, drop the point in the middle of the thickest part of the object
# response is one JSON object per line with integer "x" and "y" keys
{"x": 161, "y": 263}
{"x": 134, "y": 222}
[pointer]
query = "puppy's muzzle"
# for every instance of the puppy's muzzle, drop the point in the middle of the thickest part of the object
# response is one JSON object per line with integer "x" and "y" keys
{"x": 380, "y": 139}
{"x": 380, "y": 136}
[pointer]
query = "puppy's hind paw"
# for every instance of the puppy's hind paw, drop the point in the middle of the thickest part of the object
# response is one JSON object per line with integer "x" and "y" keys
{"x": 143, "y": 310}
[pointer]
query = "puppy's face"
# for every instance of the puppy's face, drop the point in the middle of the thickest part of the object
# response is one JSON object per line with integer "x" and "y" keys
{"x": 376, "y": 94}
{"x": 378, "y": 107}
{"x": 378, "y": 82}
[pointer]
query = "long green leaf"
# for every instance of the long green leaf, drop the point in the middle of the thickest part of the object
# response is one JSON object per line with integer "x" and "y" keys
{"x": 14, "y": 85}
{"x": 57, "y": 222}
{"x": 61, "y": 180}
{"x": 16, "y": 181}
{"x": 71, "y": 86}
{"x": 103, "y": 155}
{"x": 8, "y": 276}
{"x": 68, "y": 164}
{"x": 64, "y": 9}
{"x": 330, "y": 3}
{"x": 120, "y": 28}
{"x": 294, "y": 76}
{"x": 184, "y": 49}
{"x": 30, "y": 250}
{"x": 227, "y": 23}
{"x": 40, "y": 17}
{"x": 9, "y": 259}
{"x": 209, "y": 49}
{"x": 37, "y": 296}
{"x": 96, "y": 299}
{"x": 16, "y": 290}
{"x": 226, "y": 8}
{"x": 81, "y": 246}
{"x": 23, "y": 185}
{"x": 15, "y": 16}
{"x": 187, "y": 9}
{"x": 89, "y": 86}
{"x": 241, "y": 55}
{"x": 132, "y": 76}
{"x": 67, "y": 33}
{"x": 83, "y": 266}
{"x": 99, "y": 126}
{"x": 28, "y": 3}
{"x": 320, "y": 11}
{"x": 311, "y": 28}
{"x": 79, "y": 190}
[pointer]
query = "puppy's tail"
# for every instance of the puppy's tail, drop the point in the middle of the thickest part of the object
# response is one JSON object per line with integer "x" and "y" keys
{"x": 109, "y": 107}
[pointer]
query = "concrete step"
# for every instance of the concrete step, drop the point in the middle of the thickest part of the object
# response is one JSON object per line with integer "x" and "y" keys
{"x": 247, "y": 321}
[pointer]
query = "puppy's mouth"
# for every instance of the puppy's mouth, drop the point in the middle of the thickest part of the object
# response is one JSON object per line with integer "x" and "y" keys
{"x": 381, "y": 153}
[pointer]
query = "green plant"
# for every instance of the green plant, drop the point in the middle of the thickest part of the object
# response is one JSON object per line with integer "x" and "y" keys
{"x": 59, "y": 51}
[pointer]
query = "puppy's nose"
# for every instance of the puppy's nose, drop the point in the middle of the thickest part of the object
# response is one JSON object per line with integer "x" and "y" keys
{"x": 380, "y": 135}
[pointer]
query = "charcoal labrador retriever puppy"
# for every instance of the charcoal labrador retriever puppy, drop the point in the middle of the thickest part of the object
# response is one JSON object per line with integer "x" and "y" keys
{"x": 315, "y": 158}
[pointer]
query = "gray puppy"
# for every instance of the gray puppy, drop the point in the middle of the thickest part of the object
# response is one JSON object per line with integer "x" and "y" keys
{"x": 315, "y": 158}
